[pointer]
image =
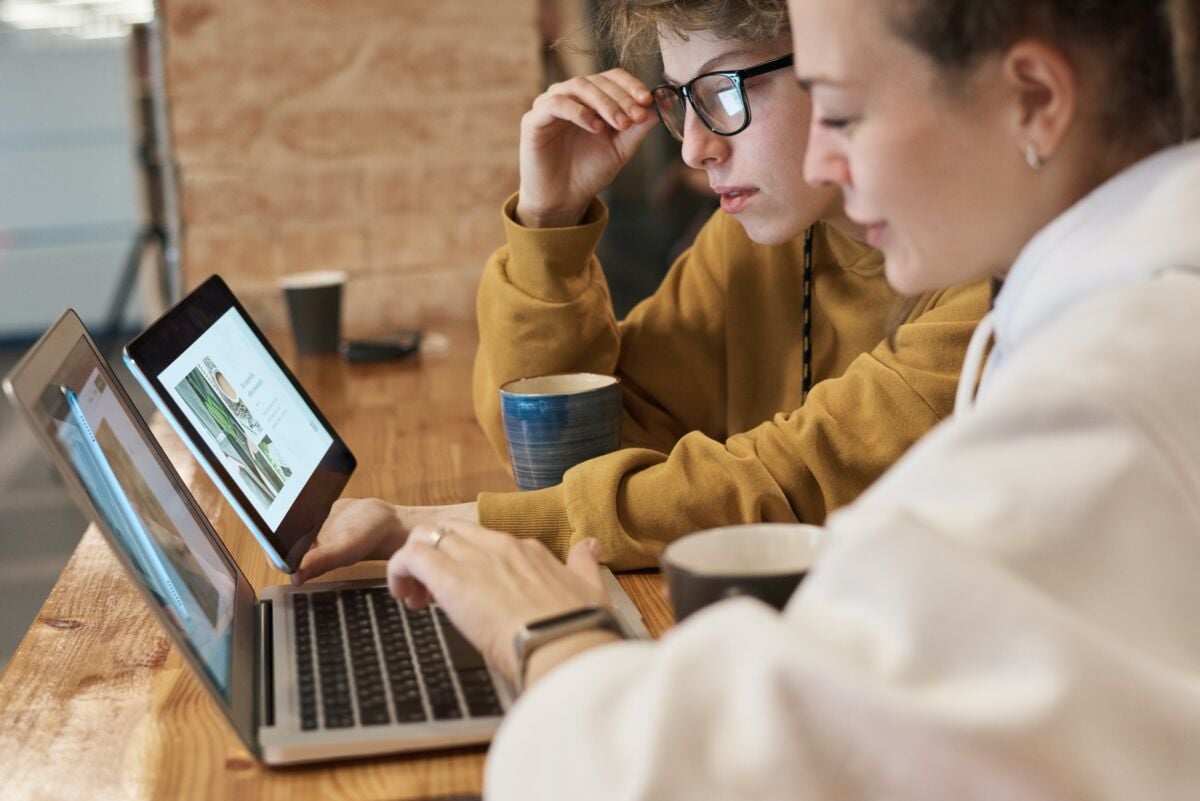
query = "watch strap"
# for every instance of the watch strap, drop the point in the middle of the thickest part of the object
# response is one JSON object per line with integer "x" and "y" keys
{"x": 537, "y": 633}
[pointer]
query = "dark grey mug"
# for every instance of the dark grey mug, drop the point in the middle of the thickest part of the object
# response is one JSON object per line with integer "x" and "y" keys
{"x": 766, "y": 561}
{"x": 554, "y": 422}
{"x": 314, "y": 304}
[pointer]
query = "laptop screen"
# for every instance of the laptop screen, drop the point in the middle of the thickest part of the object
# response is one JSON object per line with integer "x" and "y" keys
{"x": 141, "y": 508}
{"x": 239, "y": 400}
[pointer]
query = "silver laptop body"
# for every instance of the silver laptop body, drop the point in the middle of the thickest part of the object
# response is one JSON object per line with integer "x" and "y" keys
{"x": 324, "y": 671}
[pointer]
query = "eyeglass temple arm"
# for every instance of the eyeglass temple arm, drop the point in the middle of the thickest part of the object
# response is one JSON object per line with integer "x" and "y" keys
{"x": 779, "y": 63}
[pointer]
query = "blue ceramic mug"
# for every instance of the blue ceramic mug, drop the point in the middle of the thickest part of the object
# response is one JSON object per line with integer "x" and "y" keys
{"x": 554, "y": 422}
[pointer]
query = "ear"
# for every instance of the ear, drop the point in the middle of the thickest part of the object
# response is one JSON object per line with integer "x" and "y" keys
{"x": 1045, "y": 89}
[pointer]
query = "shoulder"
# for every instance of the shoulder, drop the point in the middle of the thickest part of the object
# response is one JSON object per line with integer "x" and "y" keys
{"x": 1149, "y": 324}
{"x": 964, "y": 302}
{"x": 1097, "y": 406}
{"x": 1133, "y": 328}
{"x": 1131, "y": 349}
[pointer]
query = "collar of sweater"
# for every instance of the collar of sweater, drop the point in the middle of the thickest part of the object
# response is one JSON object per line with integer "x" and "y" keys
{"x": 1137, "y": 224}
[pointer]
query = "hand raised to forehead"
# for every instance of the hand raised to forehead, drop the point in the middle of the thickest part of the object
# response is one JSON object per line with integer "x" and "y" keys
{"x": 574, "y": 141}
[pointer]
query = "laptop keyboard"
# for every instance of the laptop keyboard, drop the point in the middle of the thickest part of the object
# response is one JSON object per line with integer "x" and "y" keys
{"x": 364, "y": 659}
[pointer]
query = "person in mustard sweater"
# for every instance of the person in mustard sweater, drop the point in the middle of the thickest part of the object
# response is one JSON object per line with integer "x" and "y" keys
{"x": 758, "y": 381}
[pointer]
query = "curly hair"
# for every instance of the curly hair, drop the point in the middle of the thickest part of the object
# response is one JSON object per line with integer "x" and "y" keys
{"x": 631, "y": 27}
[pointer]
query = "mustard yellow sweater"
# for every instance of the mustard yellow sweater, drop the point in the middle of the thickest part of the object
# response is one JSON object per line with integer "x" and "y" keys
{"x": 710, "y": 365}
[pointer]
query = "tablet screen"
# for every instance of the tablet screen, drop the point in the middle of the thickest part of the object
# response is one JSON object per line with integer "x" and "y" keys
{"x": 247, "y": 411}
{"x": 249, "y": 422}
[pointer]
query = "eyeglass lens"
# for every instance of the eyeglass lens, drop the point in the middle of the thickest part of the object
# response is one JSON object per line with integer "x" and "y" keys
{"x": 716, "y": 98}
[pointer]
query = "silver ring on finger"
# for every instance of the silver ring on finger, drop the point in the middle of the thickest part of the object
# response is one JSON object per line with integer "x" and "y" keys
{"x": 437, "y": 535}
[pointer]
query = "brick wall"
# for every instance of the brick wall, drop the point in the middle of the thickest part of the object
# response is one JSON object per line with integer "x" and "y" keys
{"x": 373, "y": 136}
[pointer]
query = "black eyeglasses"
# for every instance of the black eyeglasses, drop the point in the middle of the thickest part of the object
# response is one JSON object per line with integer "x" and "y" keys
{"x": 718, "y": 98}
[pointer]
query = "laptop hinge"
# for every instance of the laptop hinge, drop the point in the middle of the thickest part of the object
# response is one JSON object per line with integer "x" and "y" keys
{"x": 266, "y": 664}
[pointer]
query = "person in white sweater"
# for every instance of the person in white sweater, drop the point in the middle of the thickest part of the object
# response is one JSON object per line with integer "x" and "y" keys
{"x": 1010, "y": 612}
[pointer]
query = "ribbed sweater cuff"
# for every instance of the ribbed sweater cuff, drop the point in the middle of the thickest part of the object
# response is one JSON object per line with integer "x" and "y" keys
{"x": 551, "y": 264}
{"x": 540, "y": 514}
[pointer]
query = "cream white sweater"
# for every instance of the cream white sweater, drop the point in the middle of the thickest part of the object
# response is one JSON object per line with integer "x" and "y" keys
{"x": 1010, "y": 613}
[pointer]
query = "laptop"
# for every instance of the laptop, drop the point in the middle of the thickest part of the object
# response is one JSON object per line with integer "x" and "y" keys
{"x": 324, "y": 671}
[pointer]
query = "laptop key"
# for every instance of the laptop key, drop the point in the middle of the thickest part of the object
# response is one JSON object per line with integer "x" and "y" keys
{"x": 410, "y": 711}
{"x": 447, "y": 712}
{"x": 375, "y": 715}
{"x": 479, "y": 693}
{"x": 442, "y": 699}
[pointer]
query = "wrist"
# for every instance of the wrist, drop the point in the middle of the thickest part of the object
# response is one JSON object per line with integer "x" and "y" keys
{"x": 464, "y": 511}
{"x": 553, "y": 654}
{"x": 403, "y": 521}
{"x": 530, "y": 217}
{"x": 532, "y": 638}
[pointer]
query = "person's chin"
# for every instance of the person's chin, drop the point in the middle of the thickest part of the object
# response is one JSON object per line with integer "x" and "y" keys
{"x": 906, "y": 276}
{"x": 769, "y": 230}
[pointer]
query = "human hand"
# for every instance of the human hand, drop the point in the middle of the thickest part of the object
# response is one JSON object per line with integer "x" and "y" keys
{"x": 574, "y": 141}
{"x": 367, "y": 528}
{"x": 491, "y": 584}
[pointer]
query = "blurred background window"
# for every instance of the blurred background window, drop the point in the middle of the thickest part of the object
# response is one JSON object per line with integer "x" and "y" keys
{"x": 70, "y": 201}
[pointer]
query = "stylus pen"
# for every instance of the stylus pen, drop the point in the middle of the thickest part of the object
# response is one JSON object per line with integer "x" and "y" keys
{"x": 141, "y": 537}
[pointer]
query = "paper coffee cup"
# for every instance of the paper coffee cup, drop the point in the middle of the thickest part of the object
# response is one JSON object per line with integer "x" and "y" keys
{"x": 314, "y": 303}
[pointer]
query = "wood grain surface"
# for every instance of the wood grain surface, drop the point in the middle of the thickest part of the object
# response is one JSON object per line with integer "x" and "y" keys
{"x": 96, "y": 703}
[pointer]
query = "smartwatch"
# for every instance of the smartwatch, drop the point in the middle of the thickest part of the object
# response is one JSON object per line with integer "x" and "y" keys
{"x": 533, "y": 635}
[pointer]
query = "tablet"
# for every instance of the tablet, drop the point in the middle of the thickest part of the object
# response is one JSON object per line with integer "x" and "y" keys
{"x": 244, "y": 416}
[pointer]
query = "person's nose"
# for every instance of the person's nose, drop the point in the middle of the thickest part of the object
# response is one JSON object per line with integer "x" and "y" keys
{"x": 701, "y": 147}
{"x": 824, "y": 162}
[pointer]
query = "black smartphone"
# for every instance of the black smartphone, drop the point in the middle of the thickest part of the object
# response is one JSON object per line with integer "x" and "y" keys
{"x": 396, "y": 346}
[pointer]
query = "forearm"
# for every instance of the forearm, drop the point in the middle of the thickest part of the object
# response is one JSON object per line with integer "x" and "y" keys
{"x": 636, "y": 500}
{"x": 798, "y": 466}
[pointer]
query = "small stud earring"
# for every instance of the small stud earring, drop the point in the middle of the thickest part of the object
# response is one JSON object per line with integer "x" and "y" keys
{"x": 1031, "y": 157}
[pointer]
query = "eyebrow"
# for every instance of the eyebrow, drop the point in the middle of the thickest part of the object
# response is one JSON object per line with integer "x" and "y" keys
{"x": 707, "y": 66}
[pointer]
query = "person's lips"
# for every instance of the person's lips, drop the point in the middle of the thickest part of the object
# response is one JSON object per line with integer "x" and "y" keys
{"x": 735, "y": 198}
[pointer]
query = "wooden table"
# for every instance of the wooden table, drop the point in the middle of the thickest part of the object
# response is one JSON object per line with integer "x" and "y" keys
{"x": 96, "y": 704}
